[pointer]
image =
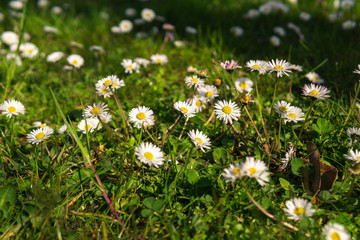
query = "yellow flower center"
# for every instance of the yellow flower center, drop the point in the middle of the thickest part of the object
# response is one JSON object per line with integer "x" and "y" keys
{"x": 126, "y": 26}
{"x": 299, "y": 210}
{"x": 198, "y": 103}
{"x": 347, "y": 4}
{"x": 30, "y": 50}
{"x": 149, "y": 156}
{"x": 209, "y": 94}
{"x": 131, "y": 66}
{"x": 236, "y": 171}
{"x": 283, "y": 109}
{"x": 104, "y": 90}
{"x": 87, "y": 127}
{"x": 11, "y": 109}
{"x": 40, "y": 135}
{"x": 293, "y": 115}
{"x": 194, "y": 80}
{"x": 43, "y": 125}
{"x": 245, "y": 98}
{"x": 115, "y": 84}
{"x": 335, "y": 236}
{"x": 140, "y": 116}
{"x": 358, "y": 158}
{"x": 252, "y": 171}
{"x": 95, "y": 110}
{"x": 226, "y": 109}
{"x": 198, "y": 140}
{"x": 75, "y": 62}
{"x": 185, "y": 110}
{"x": 314, "y": 93}
{"x": 217, "y": 82}
{"x": 256, "y": 66}
{"x": 148, "y": 14}
{"x": 278, "y": 67}
{"x": 107, "y": 82}
{"x": 243, "y": 85}
{"x": 158, "y": 60}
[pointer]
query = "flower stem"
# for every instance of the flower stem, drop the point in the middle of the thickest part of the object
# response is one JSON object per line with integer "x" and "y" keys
{"x": 122, "y": 113}
{"x": 252, "y": 122}
{"x": 182, "y": 131}
{"x": 306, "y": 118}
{"x": 172, "y": 127}
{"x": 273, "y": 98}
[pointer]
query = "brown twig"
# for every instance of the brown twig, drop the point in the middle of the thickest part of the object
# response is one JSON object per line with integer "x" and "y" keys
{"x": 172, "y": 127}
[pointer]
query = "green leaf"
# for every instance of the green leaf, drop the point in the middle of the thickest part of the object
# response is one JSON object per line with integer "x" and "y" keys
{"x": 324, "y": 195}
{"x": 219, "y": 153}
{"x": 192, "y": 176}
{"x": 147, "y": 212}
{"x": 296, "y": 166}
{"x": 153, "y": 204}
{"x": 322, "y": 126}
{"x": 266, "y": 203}
{"x": 7, "y": 198}
{"x": 284, "y": 183}
{"x": 158, "y": 205}
{"x": 149, "y": 202}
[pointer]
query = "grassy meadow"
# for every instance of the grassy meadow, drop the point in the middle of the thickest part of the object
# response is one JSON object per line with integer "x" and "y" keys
{"x": 262, "y": 151}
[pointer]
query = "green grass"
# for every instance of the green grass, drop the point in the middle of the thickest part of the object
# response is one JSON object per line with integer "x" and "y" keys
{"x": 49, "y": 191}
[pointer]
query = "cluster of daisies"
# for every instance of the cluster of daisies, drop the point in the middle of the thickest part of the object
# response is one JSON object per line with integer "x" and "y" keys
{"x": 131, "y": 66}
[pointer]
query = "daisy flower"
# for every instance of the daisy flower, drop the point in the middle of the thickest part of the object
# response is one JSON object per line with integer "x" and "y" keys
{"x": 198, "y": 103}
{"x": 305, "y": 16}
{"x": 39, "y": 135}
{"x": 185, "y": 108}
{"x": 280, "y": 31}
{"x": 9, "y": 38}
{"x": 353, "y": 155}
{"x": 62, "y": 129}
{"x": 96, "y": 49}
{"x": 252, "y": 14}
{"x": 315, "y": 91}
{"x": 348, "y": 24}
{"x": 347, "y": 4}
{"x": 191, "y": 30}
{"x": 357, "y": 70}
{"x": 227, "y": 111}
{"x": 200, "y": 139}
{"x": 130, "y": 66}
{"x": 142, "y": 61}
{"x": 130, "y": 12}
{"x": 111, "y": 82}
{"x": 49, "y": 29}
{"x": 54, "y": 57}
{"x": 39, "y": 124}
{"x": 202, "y": 73}
{"x": 293, "y": 114}
{"x": 296, "y": 67}
{"x": 335, "y": 231}
{"x": 89, "y": 125}
{"x": 315, "y": 78}
{"x": 257, "y": 65}
{"x": 11, "y": 108}
{"x": 191, "y": 69}
{"x": 75, "y": 60}
{"x": 279, "y": 66}
{"x": 275, "y": 41}
{"x": 125, "y": 26}
{"x": 232, "y": 173}
{"x": 288, "y": 156}
{"x": 148, "y": 14}
{"x": 297, "y": 208}
{"x": 237, "y": 31}
{"x": 257, "y": 169}
{"x": 244, "y": 84}
{"x": 353, "y": 133}
{"x": 282, "y": 107}
{"x": 208, "y": 92}
{"x": 194, "y": 81}
{"x": 230, "y": 66}
{"x": 245, "y": 98}
{"x": 149, "y": 154}
{"x": 28, "y": 50}
{"x": 159, "y": 59}
{"x": 142, "y": 116}
{"x": 97, "y": 109}
{"x": 105, "y": 117}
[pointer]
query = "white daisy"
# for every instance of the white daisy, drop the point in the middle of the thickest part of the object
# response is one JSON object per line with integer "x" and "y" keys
{"x": 11, "y": 56}
{"x": 142, "y": 61}
{"x": 104, "y": 91}
{"x": 194, "y": 81}
{"x": 185, "y": 108}
{"x": 348, "y": 24}
{"x": 89, "y": 125}
{"x": 279, "y": 66}
{"x": 75, "y": 60}
{"x": 76, "y": 44}
{"x": 257, "y": 169}
{"x": 40, "y": 124}
{"x": 200, "y": 139}
{"x": 305, "y": 16}
{"x": 39, "y": 135}
{"x": 130, "y": 66}
{"x": 198, "y": 103}
{"x": 56, "y": 10}
{"x": 237, "y": 31}
{"x": 55, "y": 56}
{"x": 282, "y": 107}
{"x": 347, "y": 4}
{"x": 191, "y": 69}
{"x": 315, "y": 78}
{"x": 230, "y": 65}
{"x": 232, "y": 173}
{"x": 208, "y": 92}
{"x": 149, "y": 154}
{"x": 293, "y": 114}
{"x": 142, "y": 116}
{"x": 105, "y": 117}
{"x": 116, "y": 29}
{"x": 288, "y": 156}
{"x": 296, "y": 67}
{"x": 148, "y": 14}
{"x": 96, "y": 49}
{"x": 357, "y": 70}
{"x": 279, "y": 31}
{"x": 111, "y": 82}
{"x": 62, "y": 129}
{"x": 159, "y": 59}
{"x": 335, "y": 231}
{"x": 315, "y": 91}
{"x": 297, "y": 208}
{"x": 265, "y": 9}
{"x": 191, "y": 30}
{"x": 125, "y": 26}
{"x": 97, "y": 109}
{"x": 202, "y": 73}
{"x": 258, "y": 65}
{"x": 252, "y": 14}
{"x": 244, "y": 84}
{"x": 227, "y": 111}
{"x": 49, "y": 29}
{"x": 28, "y": 50}
{"x": 9, "y": 38}
{"x": 353, "y": 155}
{"x": 11, "y": 108}
{"x": 353, "y": 133}
{"x": 130, "y": 12}
{"x": 275, "y": 41}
